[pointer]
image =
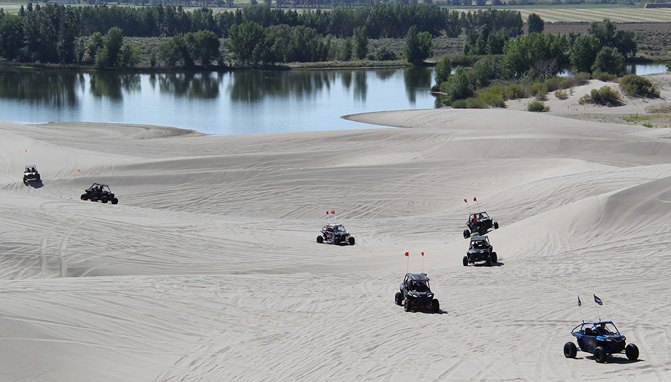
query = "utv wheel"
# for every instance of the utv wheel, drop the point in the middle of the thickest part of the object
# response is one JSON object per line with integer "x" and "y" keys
{"x": 496, "y": 225}
{"x": 435, "y": 305}
{"x": 398, "y": 298}
{"x": 407, "y": 306}
{"x": 570, "y": 350}
{"x": 84, "y": 197}
{"x": 320, "y": 239}
{"x": 632, "y": 352}
{"x": 600, "y": 354}
{"x": 465, "y": 261}
{"x": 104, "y": 200}
{"x": 495, "y": 258}
{"x": 467, "y": 234}
{"x": 488, "y": 261}
{"x": 351, "y": 241}
{"x": 115, "y": 201}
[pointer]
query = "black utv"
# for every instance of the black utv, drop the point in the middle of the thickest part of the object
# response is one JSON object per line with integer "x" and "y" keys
{"x": 414, "y": 293}
{"x": 99, "y": 192}
{"x": 480, "y": 250}
{"x": 480, "y": 223}
{"x": 335, "y": 234}
{"x": 31, "y": 175}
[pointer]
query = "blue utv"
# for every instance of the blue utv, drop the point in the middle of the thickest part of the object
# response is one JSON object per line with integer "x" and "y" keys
{"x": 600, "y": 339}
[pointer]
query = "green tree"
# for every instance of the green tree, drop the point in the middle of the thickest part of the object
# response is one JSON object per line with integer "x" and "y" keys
{"x": 360, "y": 42}
{"x": 609, "y": 60}
{"x": 244, "y": 38}
{"x": 345, "y": 53}
{"x": 535, "y": 23}
{"x": 108, "y": 56}
{"x": 583, "y": 53}
{"x": 443, "y": 70}
{"x": 418, "y": 46}
{"x": 129, "y": 55}
{"x": 536, "y": 54}
{"x": 11, "y": 36}
{"x": 205, "y": 46}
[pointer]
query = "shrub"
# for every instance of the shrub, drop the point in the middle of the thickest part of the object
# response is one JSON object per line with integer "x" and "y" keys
{"x": 647, "y": 124}
{"x": 385, "y": 54}
{"x": 637, "y": 86}
{"x": 604, "y": 76}
{"x": 491, "y": 96}
{"x": 561, "y": 94}
{"x": 537, "y": 106}
{"x": 469, "y": 103}
{"x": 603, "y": 96}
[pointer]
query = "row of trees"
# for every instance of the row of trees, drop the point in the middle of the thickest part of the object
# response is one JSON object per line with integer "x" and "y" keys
{"x": 390, "y": 20}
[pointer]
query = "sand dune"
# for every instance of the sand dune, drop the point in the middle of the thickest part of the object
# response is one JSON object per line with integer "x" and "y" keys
{"x": 208, "y": 269}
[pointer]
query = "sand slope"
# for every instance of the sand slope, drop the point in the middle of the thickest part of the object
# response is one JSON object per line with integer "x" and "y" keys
{"x": 208, "y": 269}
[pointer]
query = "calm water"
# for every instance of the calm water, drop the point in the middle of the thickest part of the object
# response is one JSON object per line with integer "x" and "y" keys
{"x": 242, "y": 102}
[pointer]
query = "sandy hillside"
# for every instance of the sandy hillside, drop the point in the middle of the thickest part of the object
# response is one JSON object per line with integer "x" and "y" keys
{"x": 208, "y": 270}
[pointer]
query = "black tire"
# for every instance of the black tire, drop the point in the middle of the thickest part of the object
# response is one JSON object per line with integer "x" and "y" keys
{"x": 320, "y": 239}
{"x": 496, "y": 225}
{"x": 407, "y": 306}
{"x": 351, "y": 240}
{"x": 435, "y": 305}
{"x": 398, "y": 298}
{"x": 115, "y": 201}
{"x": 570, "y": 350}
{"x": 632, "y": 352}
{"x": 467, "y": 234}
{"x": 488, "y": 261}
{"x": 38, "y": 179}
{"x": 104, "y": 200}
{"x": 84, "y": 197}
{"x": 600, "y": 354}
{"x": 495, "y": 258}
{"x": 465, "y": 261}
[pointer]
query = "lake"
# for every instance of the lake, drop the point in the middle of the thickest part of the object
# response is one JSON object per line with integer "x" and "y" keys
{"x": 239, "y": 102}
{"x": 226, "y": 103}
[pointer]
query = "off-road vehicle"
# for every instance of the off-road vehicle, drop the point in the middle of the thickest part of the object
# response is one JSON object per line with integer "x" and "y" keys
{"x": 480, "y": 250}
{"x": 414, "y": 293}
{"x": 480, "y": 223}
{"x": 600, "y": 339}
{"x": 99, "y": 192}
{"x": 31, "y": 175}
{"x": 335, "y": 234}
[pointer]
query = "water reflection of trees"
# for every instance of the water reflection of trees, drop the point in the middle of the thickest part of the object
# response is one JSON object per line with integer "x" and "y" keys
{"x": 414, "y": 79}
{"x": 113, "y": 85}
{"x": 203, "y": 85}
{"x": 254, "y": 86}
{"x": 56, "y": 89}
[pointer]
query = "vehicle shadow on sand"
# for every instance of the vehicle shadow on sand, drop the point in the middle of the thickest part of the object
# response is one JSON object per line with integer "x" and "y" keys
{"x": 35, "y": 184}
{"x": 498, "y": 264}
{"x": 613, "y": 359}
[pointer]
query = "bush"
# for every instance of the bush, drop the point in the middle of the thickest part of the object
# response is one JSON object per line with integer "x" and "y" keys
{"x": 491, "y": 96}
{"x": 469, "y": 103}
{"x": 604, "y": 96}
{"x": 604, "y": 76}
{"x": 561, "y": 94}
{"x": 537, "y": 106}
{"x": 637, "y": 86}
{"x": 385, "y": 54}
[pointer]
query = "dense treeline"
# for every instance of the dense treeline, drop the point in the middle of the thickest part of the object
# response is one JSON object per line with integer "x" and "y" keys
{"x": 53, "y": 33}
{"x": 165, "y": 20}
